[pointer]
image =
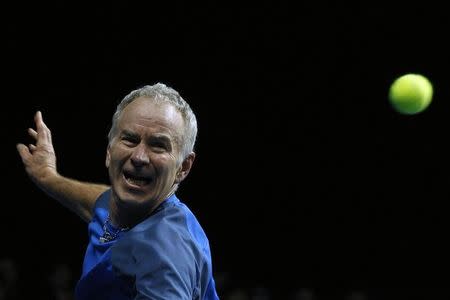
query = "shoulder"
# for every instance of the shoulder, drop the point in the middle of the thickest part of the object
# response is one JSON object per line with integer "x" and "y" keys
{"x": 103, "y": 200}
{"x": 100, "y": 213}
{"x": 172, "y": 224}
{"x": 172, "y": 231}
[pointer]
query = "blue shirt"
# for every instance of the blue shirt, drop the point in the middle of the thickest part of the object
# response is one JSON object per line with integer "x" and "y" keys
{"x": 167, "y": 256}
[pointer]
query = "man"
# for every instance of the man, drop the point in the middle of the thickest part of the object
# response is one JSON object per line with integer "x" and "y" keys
{"x": 143, "y": 242}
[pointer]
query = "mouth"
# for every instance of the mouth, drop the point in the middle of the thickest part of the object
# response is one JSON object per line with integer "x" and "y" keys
{"x": 136, "y": 180}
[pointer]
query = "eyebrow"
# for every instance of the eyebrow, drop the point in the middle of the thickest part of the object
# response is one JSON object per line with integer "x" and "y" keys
{"x": 128, "y": 134}
{"x": 156, "y": 137}
{"x": 161, "y": 138}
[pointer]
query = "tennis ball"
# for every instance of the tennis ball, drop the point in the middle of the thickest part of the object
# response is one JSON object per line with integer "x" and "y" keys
{"x": 410, "y": 94}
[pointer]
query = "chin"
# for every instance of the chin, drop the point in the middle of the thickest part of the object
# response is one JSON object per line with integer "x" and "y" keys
{"x": 125, "y": 198}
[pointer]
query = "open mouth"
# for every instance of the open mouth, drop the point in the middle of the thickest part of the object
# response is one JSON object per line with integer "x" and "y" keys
{"x": 136, "y": 180}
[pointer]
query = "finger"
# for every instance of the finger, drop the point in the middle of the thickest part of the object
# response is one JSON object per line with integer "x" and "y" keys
{"x": 40, "y": 125}
{"x": 33, "y": 133}
{"x": 24, "y": 152}
{"x": 32, "y": 147}
{"x": 44, "y": 134}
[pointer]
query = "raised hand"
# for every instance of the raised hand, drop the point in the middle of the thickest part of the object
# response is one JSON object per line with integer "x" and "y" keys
{"x": 39, "y": 158}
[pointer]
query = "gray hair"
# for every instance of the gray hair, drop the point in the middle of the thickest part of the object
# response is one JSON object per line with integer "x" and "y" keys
{"x": 161, "y": 93}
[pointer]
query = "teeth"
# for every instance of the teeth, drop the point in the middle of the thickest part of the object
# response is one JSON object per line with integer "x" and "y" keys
{"x": 138, "y": 182}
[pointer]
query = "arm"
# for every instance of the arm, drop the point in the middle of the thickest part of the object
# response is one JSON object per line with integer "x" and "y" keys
{"x": 39, "y": 160}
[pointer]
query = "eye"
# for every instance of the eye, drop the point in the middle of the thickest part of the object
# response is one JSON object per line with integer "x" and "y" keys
{"x": 158, "y": 146}
{"x": 130, "y": 141}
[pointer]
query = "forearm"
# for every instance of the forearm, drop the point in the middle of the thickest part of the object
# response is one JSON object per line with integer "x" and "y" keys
{"x": 76, "y": 195}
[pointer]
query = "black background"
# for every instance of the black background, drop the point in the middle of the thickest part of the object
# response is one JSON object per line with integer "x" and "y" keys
{"x": 302, "y": 165}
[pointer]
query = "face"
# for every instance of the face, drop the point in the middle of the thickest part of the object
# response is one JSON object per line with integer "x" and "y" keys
{"x": 143, "y": 157}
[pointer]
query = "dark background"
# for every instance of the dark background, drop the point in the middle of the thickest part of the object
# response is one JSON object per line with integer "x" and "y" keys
{"x": 304, "y": 174}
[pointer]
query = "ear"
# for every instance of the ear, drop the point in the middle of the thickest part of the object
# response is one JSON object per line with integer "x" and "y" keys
{"x": 185, "y": 167}
{"x": 108, "y": 157}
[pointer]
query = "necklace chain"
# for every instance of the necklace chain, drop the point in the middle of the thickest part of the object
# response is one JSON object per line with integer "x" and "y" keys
{"x": 110, "y": 235}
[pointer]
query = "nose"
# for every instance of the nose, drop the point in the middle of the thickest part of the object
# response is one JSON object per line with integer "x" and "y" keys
{"x": 139, "y": 156}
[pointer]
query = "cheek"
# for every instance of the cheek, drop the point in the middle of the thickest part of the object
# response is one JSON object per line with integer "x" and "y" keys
{"x": 116, "y": 161}
{"x": 166, "y": 167}
{"x": 118, "y": 153}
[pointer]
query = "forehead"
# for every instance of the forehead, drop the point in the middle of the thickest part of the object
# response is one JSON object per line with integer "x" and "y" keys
{"x": 144, "y": 113}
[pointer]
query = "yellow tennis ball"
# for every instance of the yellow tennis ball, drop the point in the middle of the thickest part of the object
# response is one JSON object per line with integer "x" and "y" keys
{"x": 410, "y": 94}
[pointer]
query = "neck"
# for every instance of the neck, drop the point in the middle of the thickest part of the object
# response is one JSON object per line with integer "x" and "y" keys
{"x": 125, "y": 216}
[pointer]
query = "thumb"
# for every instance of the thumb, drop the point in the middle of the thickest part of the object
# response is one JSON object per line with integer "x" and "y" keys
{"x": 24, "y": 152}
